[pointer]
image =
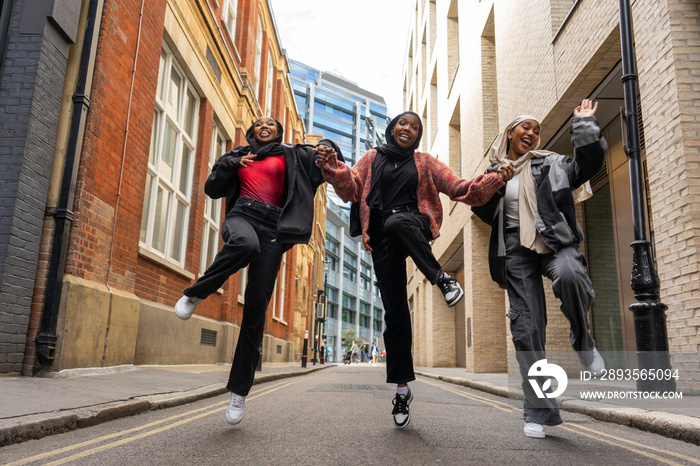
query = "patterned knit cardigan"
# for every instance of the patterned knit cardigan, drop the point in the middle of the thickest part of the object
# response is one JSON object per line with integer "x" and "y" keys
{"x": 352, "y": 185}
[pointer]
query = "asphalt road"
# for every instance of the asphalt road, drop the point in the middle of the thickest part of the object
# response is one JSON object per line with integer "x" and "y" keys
{"x": 342, "y": 416}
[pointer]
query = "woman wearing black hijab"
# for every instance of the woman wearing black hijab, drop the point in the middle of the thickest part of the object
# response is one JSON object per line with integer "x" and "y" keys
{"x": 398, "y": 190}
{"x": 269, "y": 189}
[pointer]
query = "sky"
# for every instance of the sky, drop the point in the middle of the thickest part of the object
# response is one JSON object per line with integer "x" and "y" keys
{"x": 361, "y": 40}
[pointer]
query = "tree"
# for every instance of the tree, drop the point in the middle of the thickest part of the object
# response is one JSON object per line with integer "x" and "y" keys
{"x": 348, "y": 336}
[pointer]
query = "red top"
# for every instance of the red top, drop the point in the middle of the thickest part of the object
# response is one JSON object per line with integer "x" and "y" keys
{"x": 263, "y": 180}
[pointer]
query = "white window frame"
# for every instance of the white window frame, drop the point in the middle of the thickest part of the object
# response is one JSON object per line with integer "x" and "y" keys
{"x": 270, "y": 83}
{"x": 212, "y": 207}
{"x": 258, "y": 59}
{"x": 172, "y": 178}
{"x": 229, "y": 15}
{"x": 278, "y": 311}
{"x": 242, "y": 283}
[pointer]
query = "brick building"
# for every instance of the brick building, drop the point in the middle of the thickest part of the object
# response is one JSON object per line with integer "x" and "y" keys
{"x": 163, "y": 88}
{"x": 471, "y": 67}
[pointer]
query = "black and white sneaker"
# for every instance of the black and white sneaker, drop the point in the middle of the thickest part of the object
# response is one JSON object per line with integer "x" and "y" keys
{"x": 401, "y": 415}
{"x": 450, "y": 289}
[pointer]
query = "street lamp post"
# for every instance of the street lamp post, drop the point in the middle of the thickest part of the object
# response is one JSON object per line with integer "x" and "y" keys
{"x": 322, "y": 322}
{"x": 320, "y": 315}
{"x": 648, "y": 311}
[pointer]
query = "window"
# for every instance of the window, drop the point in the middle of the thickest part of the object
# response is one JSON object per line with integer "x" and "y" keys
{"x": 278, "y": 310}
{"x": 350, "y": 258}
{"x": 258, "y": 59}
{"x": 334, "y": 263}
{"x": 365, "y": 321}
{"x": 212, "y": 207}
{"x": 164, "y": 222}
{"x": 332, "y": 246}
{"x": 242, "y": 282}
{"x": 268, "y": 87}
{"x": 229, "y": 13}
{"x": 348, "y": 316}
{"x": 348, "y": 301}
{"x": 365, "y": 283}
{"x": 349, "y": 273}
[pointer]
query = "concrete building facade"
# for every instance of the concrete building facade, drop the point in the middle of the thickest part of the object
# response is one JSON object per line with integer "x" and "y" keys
{"x": 471, "y": 67}
{"x": 170, "y": 86}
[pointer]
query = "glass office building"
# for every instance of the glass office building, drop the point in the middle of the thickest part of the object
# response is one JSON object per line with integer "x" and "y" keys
{"x": 355, "y": 119}
{"x": 339, "y": 109}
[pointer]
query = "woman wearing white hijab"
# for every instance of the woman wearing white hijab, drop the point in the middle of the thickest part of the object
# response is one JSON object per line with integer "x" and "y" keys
{"x": 534, "y": 232}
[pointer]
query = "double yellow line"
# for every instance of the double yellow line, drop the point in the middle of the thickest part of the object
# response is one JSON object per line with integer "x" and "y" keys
{"x": 629, "y": 445}
{"x": 171, "y": 422}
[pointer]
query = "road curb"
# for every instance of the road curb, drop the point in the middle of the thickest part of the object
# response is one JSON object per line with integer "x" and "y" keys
{"x": 676, "y": 426}
{"x": 36, "y": 426}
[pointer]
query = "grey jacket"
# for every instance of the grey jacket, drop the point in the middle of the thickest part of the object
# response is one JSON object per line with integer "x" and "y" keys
{"x": 555, "y": 177}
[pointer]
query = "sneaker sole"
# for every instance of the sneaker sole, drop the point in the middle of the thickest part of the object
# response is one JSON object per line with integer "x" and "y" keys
{"x": 455, "y": 300}
{"x": 232, "y": 422}
{"x": 183, "y": 316}
{"x": 534, "y": 435}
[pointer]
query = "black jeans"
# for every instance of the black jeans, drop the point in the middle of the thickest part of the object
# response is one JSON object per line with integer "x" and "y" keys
{"x": 528, "y": 313}
{"x": 250, "y": 232}
{"x": 394, "y": 238}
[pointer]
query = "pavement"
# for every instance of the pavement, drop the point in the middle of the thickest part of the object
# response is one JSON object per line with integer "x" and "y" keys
{"x": 36, "y": 407}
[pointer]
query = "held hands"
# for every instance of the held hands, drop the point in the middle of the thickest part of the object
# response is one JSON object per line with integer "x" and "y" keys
{"x": 586, "y": 109}
{"x": 246, "y": 159}
{"x": 505, "y": 171}
{"x": 324, "y": 153}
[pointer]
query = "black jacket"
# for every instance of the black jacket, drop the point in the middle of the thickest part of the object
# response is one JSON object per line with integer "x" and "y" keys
{"x": 555, "y": 177}
{"x": 302, "y": 178}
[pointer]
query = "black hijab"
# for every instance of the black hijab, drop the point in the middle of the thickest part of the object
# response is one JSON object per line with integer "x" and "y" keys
{"x": 390, "y": 149}
{"x": 389, "y": 152}
{"x": 273, "y": 147}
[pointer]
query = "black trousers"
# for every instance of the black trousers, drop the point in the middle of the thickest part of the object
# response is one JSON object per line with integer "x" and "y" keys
{"x": 528, "y": 313}
{"x": 250, "y": 232}
{"x": 394, "y": 238}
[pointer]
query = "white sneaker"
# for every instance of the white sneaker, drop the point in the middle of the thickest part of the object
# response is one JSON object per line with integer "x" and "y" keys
{"x": 185, "y": 307}
{"x": 400, "y": 412}
{"x": 451, "y": 289}
{"x": 597, "y": 366}
{"x": 234, "y": 412}
{"x": 533, "y": 430}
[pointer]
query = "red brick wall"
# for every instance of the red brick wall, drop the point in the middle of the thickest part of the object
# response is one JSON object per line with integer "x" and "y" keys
{"x": 105, "y": 146}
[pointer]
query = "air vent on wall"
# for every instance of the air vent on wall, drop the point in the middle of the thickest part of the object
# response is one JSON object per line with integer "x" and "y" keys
{"x": 208, "y": 338}
{"x": 214, "y": 65}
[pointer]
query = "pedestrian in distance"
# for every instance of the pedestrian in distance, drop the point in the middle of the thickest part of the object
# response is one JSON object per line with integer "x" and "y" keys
{"x": 269, "y": 189}
{"x": 397, "y": 189}
{"x": 354, "y": 352}
{"x": 373, "y": 352}
{"x": 534, "y": 232}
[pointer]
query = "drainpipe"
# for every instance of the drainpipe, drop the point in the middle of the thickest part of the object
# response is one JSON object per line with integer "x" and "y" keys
{"x": 47, "y": 337}
{"x": 649, "y": 312}
{"x": 5, "y": 10}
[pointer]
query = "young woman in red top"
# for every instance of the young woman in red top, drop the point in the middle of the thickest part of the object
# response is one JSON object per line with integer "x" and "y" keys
{"x": 400, "y": 213}
{"x": 269, "y": 189}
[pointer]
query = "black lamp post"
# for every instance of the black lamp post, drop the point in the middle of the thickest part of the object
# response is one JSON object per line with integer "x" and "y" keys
{"x": 648, "y": 311}
{"x": 324, "y": 308}
{"x": 320, "y": 315}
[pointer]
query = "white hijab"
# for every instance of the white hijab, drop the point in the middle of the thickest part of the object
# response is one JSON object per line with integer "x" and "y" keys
{"x": 527, "y": 195}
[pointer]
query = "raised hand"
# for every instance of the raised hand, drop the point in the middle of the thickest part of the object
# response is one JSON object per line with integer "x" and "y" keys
{"x": 586, "y": 109}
